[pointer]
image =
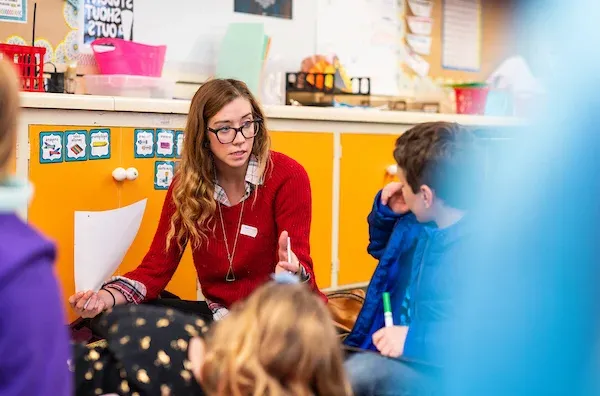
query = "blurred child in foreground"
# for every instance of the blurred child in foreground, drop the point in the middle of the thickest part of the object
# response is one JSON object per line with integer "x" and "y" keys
{"x": 34, "y": 344}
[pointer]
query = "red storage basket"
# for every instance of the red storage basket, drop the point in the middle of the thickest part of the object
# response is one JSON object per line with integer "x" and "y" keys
{"x": 471, "y": 100}
{"x": 128, "y": 57}
{"x": 29, "y": 62}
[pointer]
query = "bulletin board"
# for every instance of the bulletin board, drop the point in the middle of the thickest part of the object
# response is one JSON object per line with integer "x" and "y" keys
{"x": 55, "y": 26}
{"x": 497, "y": 41}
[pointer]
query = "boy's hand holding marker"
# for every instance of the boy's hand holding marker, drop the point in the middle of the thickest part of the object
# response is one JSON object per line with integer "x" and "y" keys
{"x": 389, "y": 340}
{"x": 392, "y": 196}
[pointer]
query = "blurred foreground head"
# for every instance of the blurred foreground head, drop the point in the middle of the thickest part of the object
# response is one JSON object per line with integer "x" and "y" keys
{"x": 529, "y": 320}
{"x": 281, "y": 341}
{"x": 9, "y": 108}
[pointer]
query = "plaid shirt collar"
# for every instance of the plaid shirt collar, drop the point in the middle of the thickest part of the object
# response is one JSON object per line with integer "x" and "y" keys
{"x": 253, "y": 179}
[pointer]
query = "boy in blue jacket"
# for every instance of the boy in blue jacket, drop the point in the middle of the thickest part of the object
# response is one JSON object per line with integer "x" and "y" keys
{"x": 417, "y": 230}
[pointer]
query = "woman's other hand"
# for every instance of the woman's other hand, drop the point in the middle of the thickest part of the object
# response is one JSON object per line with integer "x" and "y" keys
{"x": 89, "y": 304}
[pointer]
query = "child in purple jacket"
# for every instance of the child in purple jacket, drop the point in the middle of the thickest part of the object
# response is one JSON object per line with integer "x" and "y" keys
{"x": 34, "y": 343}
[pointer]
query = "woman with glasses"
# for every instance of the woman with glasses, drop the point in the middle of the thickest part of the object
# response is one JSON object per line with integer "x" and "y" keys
{"x": 233, "y": 200}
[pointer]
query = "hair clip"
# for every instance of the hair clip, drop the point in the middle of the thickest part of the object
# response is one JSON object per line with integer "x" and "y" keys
{"x": 285, "y": 278}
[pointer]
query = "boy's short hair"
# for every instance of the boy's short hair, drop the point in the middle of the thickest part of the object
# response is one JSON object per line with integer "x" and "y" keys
{"x": 443, "y": 156}
{"x": 9, "y": 107}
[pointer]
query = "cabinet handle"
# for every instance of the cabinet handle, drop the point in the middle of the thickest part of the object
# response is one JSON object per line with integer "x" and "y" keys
{"x": 132, "y": 173}
{"x": 392, "y": 170}
{"x": 119, "y": 174}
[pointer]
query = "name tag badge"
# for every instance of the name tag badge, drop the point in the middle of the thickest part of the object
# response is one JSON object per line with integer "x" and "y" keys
{"x": 249, "y": 231}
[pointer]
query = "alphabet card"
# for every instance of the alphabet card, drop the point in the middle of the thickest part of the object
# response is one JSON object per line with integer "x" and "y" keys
{"x": 51, "y": 147}
{"x": 178, "y": 143}
{"x": 99, "y": 144}
{"x": 76, "y": 146}
{"x": 165, "y": 143}
{"x": 163, "y": 174}
{"x": 144, "y": 143}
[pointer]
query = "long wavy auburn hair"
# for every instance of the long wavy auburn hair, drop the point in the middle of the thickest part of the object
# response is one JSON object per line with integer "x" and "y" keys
{"x": 194, "y": 185}
{"x": 279, "y": 342}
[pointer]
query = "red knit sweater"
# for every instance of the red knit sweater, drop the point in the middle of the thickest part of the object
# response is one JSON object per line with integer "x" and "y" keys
{"x": 283, "y": 203}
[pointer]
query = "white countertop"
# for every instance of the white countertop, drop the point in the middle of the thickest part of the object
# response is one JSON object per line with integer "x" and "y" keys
{"x": 35, "y": 100}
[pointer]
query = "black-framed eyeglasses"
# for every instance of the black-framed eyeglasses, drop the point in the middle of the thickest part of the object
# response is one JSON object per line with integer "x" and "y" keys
{"x": 226, "y": 135}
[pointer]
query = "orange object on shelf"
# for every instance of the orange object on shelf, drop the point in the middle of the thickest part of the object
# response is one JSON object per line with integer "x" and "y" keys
{"x": 30, "y": 65}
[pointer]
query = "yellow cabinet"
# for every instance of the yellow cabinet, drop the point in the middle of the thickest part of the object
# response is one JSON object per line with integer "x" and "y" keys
{"x": 64, "y": 187}
{"x": 363, "y": 166}
{"x": 315, "y": 152}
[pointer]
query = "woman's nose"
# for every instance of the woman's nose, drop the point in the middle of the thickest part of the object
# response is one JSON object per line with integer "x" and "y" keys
{"x": 239, "y": 138}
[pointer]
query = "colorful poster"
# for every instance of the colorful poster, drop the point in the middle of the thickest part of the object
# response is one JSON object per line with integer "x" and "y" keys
{"x": 13, "y": 11}
{"x": 272, "y": 8}
{"x": 165, "y": 143}
{"x": 51, "y": 147}
{"x": 163, "y": 174}
{"x": 99, "y": 140}
{"x": 144, "y": 143}
{"x": 76, "y": 146}
{"x": 178, "y": 143}
{"x": 107, "y": 18}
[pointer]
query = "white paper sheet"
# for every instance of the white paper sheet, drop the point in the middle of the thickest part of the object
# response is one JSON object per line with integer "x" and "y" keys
{"x": 417, "y": 63}
{"x": 420, "y": 44}
{"x": 101, "y": 242}
{"x": 421, "y": 8}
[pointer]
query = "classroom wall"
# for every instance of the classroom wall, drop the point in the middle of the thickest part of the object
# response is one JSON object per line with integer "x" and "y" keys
{"x": 192, "y": 29}
{"x": 193, "y": 41}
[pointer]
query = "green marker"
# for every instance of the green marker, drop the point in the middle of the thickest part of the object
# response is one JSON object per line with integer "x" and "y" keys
{"x": 387, "y": 310}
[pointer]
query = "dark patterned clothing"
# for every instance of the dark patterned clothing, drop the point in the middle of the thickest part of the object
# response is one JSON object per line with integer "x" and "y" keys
{"x": 145, "y": 353}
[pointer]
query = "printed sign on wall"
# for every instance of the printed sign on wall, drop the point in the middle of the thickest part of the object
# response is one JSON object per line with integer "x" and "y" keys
{"x": 99, "y": 143}
{"x": 107, "y": 18}
{"x": 165, "y": 143}
{"x": 163, "y": 174}
{"x": 178, "y": 143}
{"x": 13, "y": 11}
{"x": 144, "y": 143}
{"x": 273, "y": 8}
{"x": 51, "y": 147}
{"x": 76, "y": 146}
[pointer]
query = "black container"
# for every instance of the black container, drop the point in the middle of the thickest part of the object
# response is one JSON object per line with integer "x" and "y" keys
{"x": 54, "y": 81}
{"x": 319, "y": 89}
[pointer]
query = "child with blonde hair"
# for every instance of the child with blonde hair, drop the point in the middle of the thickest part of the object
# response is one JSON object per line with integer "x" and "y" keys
{"x": 34, "y": 344}
{"x": 281, "y": 341}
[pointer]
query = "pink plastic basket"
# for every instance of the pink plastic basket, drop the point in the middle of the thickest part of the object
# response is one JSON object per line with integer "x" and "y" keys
{"x": 127, "y": 57}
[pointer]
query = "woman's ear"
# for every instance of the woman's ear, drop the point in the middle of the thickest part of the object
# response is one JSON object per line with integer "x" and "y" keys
{"x": 196, "y": 353}
{"x": 428, "y": 196}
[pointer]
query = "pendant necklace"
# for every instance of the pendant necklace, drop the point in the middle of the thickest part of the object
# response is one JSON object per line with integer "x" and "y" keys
{"x": 230, "y": 277}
